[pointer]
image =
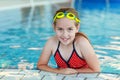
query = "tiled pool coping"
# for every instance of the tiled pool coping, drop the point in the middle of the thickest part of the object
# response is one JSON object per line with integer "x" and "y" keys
{"x": 16, "y": 74}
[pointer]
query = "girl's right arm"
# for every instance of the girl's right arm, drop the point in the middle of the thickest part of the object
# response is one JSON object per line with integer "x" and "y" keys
{"x": 45, "y": 56}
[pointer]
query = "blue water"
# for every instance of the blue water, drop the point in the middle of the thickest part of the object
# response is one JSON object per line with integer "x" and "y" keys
{"x": 21, "y": 43}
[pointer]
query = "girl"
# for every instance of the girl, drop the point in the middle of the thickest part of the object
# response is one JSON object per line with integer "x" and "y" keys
{"x": 72, "y": 50}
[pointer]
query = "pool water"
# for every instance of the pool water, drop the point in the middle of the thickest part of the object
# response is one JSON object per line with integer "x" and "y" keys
{"x": 103, "y": 30}
{"x": 21, "y": 42}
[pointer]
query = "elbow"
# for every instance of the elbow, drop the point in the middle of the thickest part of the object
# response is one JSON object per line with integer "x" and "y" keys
{"x": 97, "y": 70}
{"x": 39, "y": 66}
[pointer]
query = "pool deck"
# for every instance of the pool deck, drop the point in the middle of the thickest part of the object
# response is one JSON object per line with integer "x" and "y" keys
{"x": 16, "y": 74}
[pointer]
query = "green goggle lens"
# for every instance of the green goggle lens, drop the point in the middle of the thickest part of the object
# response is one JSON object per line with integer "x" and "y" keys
{"x": 70, "y": 16}
{"x": 60, "y": 15}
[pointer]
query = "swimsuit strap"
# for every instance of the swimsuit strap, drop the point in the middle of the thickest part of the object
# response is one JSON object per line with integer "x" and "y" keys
{"x": 73, "y": 45}
{"x": 58, "y": 45}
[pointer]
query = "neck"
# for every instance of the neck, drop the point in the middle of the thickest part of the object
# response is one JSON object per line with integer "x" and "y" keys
{"x": 67, "y": 46}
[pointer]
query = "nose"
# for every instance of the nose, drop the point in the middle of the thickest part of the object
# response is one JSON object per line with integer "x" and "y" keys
{"x": 65, "y": 33}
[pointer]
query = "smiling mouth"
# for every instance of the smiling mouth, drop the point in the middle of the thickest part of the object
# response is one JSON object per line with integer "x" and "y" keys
{"x": 65, "y": 39}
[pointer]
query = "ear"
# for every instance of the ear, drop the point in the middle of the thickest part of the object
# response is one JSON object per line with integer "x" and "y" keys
{"x": 77, "y": 28}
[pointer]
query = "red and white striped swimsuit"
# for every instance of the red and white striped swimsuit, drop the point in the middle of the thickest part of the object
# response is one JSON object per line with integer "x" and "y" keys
{"x": 75, "y": 61}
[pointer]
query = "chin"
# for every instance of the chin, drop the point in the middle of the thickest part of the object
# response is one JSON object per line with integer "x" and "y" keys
{"x": 65, "y": 43}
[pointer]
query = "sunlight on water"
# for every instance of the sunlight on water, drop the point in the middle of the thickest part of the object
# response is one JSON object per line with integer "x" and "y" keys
{"x": 115, "y": 37}
{"x": 109, "y": 47}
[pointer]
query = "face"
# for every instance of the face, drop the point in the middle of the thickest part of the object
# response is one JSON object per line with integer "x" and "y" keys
{"x": 65, "y": 30}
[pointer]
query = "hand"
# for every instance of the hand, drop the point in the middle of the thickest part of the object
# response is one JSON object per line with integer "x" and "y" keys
{"x": 67, "y": 71}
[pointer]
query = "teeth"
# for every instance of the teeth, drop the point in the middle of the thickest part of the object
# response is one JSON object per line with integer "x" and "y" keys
{"x": 65, "y": 39}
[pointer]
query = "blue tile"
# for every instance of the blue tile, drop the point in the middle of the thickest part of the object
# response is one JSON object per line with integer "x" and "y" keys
{"x": 72, "y": 75}
{"x": 12, "y": 77}
{"x": 47, "y": 73}
{"x": 87, "y": 74}
{"x": 95, "y": 79}
{"x": 73, "y": 78}
{"x": 29, "y": 72}
{"x": 108, "y": 76}
{"x": 53, "y": 78}
{"x": 32, "y": 77}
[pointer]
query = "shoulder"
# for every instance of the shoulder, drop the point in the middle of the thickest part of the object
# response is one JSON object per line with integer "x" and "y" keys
{"x": 52, "y": 42}
{"x": 84, "y": 46}
{"x": 81, "y": 40}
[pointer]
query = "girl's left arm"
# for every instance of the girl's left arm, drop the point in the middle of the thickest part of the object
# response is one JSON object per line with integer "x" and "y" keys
{"x": 89, "y": 55}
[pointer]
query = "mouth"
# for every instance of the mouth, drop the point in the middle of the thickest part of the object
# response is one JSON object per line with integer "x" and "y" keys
{"x": 65, "y": 39}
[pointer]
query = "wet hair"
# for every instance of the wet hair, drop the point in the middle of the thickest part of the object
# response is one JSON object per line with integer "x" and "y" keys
{"x": 71, "y": 10}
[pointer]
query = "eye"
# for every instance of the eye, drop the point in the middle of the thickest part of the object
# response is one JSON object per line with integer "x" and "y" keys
{"x": 70, "y": 29}
{"x": 60, "y": 29}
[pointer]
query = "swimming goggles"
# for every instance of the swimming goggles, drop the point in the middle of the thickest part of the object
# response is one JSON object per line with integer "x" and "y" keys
{"x": 69, "y": 15}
